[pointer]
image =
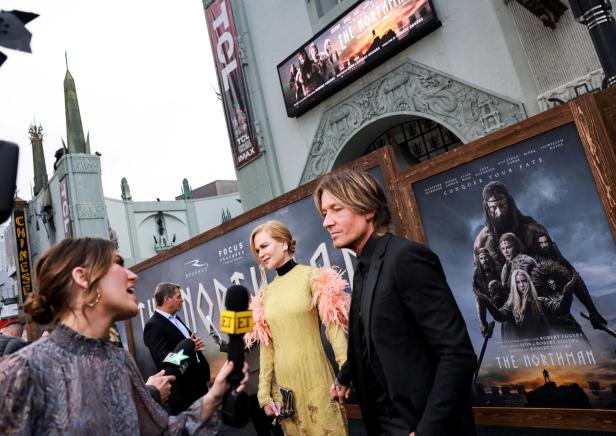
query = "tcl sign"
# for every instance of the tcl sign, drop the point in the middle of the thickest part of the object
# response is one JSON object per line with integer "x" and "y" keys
{"x": 225, "y": 47}
{"x": 66, "y": 213}
{"x": 221, "y": 28}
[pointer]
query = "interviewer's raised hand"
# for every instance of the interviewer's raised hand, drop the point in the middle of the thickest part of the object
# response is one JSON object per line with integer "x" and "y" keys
{"x": 220, "y": 385}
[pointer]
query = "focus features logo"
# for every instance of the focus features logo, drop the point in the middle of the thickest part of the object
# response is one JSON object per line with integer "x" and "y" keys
{"x": 195, "y": 268}
{"x": 231, "y": 253}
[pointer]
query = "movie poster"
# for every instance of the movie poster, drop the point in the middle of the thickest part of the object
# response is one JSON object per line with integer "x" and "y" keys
{"x": 525, "y": 245}
{"x": 361, "y": 38}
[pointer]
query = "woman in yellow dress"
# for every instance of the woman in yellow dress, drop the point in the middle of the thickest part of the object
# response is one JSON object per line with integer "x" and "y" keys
{"x": 286, "y": 316}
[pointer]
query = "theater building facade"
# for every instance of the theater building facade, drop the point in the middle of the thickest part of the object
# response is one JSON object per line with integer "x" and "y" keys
{"x": 309, "y": 85}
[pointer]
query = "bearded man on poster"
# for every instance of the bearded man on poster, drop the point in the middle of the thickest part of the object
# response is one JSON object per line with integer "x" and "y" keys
{"x": 503, "y": 216}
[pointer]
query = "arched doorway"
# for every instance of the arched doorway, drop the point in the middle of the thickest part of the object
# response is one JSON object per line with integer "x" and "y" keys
{"x": 410, "y": 90}
{"x": 415, "y": 139}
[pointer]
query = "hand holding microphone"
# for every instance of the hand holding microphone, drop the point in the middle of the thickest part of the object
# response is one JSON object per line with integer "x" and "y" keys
{"x": 235, "y": 321}
{"x": 161, "y": 382}
{"x": 177, "y": 362}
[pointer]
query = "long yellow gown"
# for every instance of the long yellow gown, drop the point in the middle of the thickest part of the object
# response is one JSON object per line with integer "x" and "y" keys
{"x": 295, "y": 357}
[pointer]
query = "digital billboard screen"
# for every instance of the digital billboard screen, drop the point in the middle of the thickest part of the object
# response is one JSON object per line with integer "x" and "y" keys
{"x": 354, "y": 43}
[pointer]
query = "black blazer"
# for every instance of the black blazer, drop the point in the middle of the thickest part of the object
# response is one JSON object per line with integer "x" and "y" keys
{"x": 10, "y": 344}
{"x": 161, "y": 337}
{"x": 416, "y": 332}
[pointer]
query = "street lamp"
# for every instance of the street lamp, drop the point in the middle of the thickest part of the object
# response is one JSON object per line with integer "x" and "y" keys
{"x": 597, "y": 16}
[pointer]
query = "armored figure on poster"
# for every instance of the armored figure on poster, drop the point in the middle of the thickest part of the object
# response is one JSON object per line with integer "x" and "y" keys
{"x": 503, "y": 216}
{"x": 486, "y": 273}
{"x": 308, "y": 76}
{"x": 547, "y": 250}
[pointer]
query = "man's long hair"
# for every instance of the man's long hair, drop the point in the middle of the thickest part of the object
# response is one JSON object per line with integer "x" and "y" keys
{"x": 491, "y": 263}
{"x": 359, "y": 191}
{"x": 512, "y": 222}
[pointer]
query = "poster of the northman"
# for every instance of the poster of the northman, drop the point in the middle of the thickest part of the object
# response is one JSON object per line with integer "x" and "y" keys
{"x": 531, "y": 260}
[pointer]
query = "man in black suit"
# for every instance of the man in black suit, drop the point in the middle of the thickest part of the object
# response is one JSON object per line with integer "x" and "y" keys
{"x": 410, "y": 358}
{"x": 10, "y": 338}
{"x": 161, "y": 335}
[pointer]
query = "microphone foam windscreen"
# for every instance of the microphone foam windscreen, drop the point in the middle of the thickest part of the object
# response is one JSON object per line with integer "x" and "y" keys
{"x": 237, "y": 298}
{"x": 188, "y": 345}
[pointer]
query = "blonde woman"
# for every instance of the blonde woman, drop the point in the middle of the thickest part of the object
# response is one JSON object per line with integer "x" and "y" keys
{"x": 287, "y": 315}
{"x": 522, "y": 315}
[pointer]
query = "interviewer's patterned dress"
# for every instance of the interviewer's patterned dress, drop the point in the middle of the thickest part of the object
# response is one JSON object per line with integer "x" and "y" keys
{"x": 68, "y": 384}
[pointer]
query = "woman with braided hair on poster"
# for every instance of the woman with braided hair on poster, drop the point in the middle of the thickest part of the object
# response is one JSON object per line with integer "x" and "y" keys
{"x": 287, "y": 314}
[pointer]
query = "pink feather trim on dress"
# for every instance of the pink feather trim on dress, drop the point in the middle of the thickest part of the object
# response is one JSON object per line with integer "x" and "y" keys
{"x": 333, "y": 303}
{"x": 260, "y": 330}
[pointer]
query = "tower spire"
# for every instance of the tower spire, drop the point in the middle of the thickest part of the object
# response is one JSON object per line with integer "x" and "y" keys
{"x": 38, "y": 157}
{"x": 74, "y": 129}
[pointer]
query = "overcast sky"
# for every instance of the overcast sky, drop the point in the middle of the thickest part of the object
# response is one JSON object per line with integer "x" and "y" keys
{"x": 146, "y": 86}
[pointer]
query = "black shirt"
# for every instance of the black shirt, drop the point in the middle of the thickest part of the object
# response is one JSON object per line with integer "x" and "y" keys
{"x": 370, "y": 362}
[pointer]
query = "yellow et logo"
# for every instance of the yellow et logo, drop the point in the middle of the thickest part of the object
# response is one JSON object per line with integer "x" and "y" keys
{"x": 235, "y": 323}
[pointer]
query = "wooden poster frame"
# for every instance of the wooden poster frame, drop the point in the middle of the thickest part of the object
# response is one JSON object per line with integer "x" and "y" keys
{"x": 594, "y": 117}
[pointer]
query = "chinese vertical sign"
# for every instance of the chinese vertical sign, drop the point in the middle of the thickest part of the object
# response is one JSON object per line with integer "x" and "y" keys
{"x": 221, "y": 28}
{"x": 23, "y": 254}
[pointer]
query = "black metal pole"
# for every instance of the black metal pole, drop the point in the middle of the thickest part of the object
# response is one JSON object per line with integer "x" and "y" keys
{"x": 597, "y": 16}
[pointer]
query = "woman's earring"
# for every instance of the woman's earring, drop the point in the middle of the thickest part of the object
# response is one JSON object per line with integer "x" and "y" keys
{"x": 98, "y": 297}
{"x": 285, "y": 248}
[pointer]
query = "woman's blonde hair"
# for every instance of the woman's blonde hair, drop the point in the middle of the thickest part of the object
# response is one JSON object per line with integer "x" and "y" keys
{"x": 280, "y": 233}
{"x": 54, "y": 276}
{"x": 276, "y": 230}
{"x": 519, "y": 303}
{"x": 359, "y": 191}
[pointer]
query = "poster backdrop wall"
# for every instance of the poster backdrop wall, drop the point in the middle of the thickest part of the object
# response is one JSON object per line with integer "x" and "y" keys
{"x": 207, "y": 270}
{"x": 543, "y": 353}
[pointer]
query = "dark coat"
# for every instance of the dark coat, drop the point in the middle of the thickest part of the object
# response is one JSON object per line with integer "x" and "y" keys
{"x": 161, "y": 337}
{"x": 416, "y": 332}
{"x": 10, "y": 344}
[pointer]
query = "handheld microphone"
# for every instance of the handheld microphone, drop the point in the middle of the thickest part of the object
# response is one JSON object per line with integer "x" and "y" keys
{"x": 177, "y": 362}
{"x": 235, "y": 321}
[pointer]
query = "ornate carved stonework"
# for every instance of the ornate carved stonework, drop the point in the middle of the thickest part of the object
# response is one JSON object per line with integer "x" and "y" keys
{"x": 582, "y": 85}
{"x": 91, "y": 210}
{"x": 414, "y": 90}
{"x": 85, "y": 164}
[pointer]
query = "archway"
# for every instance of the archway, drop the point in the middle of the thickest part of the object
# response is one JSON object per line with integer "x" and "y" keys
{"x": 408, "y": 90}
{"x": 415, "y": 139}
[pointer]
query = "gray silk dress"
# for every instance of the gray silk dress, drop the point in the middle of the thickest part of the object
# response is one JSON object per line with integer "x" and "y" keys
{"x": 67, "y": 384}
